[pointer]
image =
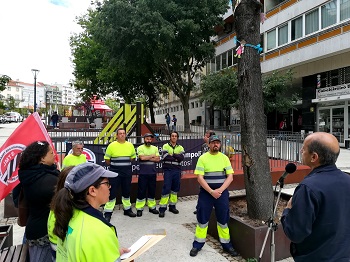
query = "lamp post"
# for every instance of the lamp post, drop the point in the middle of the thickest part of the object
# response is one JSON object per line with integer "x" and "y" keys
{"x": 35, "y": 73}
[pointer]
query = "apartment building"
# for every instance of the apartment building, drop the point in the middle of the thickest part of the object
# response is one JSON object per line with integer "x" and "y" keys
{"x": 13, "y": 89}
{"x": 313, "y": 39}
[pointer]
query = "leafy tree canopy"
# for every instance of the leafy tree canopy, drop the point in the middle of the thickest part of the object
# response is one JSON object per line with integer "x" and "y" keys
{"x": 4, "y": 79}
{"x": 220, "y": 89}
{"x": 169, "y": 38}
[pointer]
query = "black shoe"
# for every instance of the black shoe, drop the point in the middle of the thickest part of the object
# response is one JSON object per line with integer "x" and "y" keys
{"x": 195, "y": 212}
{"x": 129, "y": 213}
{"x": 139, "y": 213}
{"x": 173, "y": 210}
{"x": 231, "y": 251}
{"x": 108, "y": 216}
{"x": 161, "y": 214}
{"x": 194, "y": 251}
{"x": 154, "y": 211}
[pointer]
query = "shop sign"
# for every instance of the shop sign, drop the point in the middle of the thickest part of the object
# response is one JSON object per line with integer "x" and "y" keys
{"x": 338, "y": 90}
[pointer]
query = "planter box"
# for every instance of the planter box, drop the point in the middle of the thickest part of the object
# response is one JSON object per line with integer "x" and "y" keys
{"x": 248, "y": 240}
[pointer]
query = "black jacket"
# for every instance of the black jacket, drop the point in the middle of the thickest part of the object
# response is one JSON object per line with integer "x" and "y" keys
{"x": 39, "y": 183}
{"x": 318, "y": 222}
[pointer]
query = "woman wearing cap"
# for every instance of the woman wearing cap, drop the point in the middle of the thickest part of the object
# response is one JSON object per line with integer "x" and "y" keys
{"x": 38, "y": 176}
{"x": 84, "y": 234}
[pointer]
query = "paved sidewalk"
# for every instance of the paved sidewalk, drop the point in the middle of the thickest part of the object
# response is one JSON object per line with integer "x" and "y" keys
{"x": 173, "y": 248}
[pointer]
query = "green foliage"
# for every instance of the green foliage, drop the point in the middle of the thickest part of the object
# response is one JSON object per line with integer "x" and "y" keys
{"x": 113, "y": 104}
{"x": 11, "y": 103}
{"x": 252, "y": 260}
{"x": 4, "y": 79}
{"x": 164, "y": 42}
{"x": 220, "y": 89}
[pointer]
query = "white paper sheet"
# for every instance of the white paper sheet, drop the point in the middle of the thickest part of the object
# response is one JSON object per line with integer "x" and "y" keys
{"x": 136, "y": 246}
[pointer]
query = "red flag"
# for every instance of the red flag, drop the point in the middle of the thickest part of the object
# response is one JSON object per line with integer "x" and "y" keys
{"x": 30, "y": 130}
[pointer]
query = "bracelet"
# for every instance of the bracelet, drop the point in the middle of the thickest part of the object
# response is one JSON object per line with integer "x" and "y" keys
{"x": 211, "y": 192}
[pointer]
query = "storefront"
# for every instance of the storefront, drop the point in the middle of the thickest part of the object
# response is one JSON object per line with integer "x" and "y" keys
{"x": 333, "y": 112}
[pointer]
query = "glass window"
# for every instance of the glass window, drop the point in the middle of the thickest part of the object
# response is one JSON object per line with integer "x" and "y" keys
{"x": 329, "y": 14}
{"x": 311, "y": 22}
{"x": 297, "y": 28}
{"x": 224, "y": 60}
{"x": 229, "y": 58}
{"x": 283, "y": 35}
{"x": 344, "y": 9}
{"x": 271, "y": 39}
{"x": 9, "y": 88}
{"x": 218, "y": 63}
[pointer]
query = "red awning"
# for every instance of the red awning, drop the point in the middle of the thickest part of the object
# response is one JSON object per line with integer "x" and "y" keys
{"x": 101, "y": 107}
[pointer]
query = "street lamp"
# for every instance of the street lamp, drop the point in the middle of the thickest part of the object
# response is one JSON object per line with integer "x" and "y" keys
{"x": 35, "y": 73}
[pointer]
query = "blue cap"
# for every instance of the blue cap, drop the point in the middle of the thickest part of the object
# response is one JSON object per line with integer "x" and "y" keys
{"x": 214, "y": 138}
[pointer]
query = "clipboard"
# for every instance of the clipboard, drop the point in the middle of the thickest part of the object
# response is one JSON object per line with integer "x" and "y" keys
{"x": 153, "y": 239}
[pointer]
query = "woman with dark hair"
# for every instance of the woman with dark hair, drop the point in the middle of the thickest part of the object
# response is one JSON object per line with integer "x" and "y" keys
{"x": 83, "y": 233}
{"x": 38, "y": 175}
{"x": 52, "y": 219}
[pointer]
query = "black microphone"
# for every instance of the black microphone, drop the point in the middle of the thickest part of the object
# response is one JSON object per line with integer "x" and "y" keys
{"x": 290, "y": 168}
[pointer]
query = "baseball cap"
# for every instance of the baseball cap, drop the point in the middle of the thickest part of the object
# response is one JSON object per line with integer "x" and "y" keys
{"x": 84, "y": 175}
{"x": 214, "y": 138}
{"x": 147, "y": 135}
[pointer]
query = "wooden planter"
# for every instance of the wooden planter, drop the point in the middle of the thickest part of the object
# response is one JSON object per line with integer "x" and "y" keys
{"x": 248, "y": 240}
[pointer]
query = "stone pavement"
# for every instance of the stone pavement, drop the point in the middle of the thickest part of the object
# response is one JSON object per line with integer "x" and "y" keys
{"x": 173, "y": 248}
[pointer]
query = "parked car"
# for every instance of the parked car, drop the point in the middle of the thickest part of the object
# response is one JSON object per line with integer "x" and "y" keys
{"x": 13, "y": 117}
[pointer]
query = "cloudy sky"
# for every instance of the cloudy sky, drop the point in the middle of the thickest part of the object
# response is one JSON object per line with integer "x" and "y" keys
{"x": 34, "y": 34}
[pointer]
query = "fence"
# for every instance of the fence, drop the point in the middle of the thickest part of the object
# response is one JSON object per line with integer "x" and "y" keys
{"x": 281, "y": 146}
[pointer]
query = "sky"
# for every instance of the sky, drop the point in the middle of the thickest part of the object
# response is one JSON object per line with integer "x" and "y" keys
{"x": 34, "y": 34}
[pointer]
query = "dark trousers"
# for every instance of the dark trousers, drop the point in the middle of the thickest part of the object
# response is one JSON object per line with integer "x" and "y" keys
{"x": 146, "y": 183}
{"x": 172, "y": 178}
{"x": 120, "y": 181}
{"x": 205, "y": 205}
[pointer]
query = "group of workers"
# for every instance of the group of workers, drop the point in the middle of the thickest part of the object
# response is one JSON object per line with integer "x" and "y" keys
{"x": 315, "y": 219}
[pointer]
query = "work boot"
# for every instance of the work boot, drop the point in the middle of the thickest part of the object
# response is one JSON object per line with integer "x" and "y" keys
{"x": 173, "y": 209}
{"x": 154, "y": 211}
{"x": 231, "y": 251}
{"x": 129, "y": 213}
{"x": 139, "y": 213}
{"x": 161, "y": 214}
{"x": 194, "y": 251}
{"x": 108, "y": 216}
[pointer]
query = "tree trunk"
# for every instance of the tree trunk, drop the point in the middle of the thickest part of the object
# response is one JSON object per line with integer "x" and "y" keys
{"x": 185, "y": 104}
{"x": 255, "y": 160}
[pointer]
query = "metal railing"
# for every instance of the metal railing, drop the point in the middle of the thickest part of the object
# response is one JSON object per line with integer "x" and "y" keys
{"x": 281, "y": 146}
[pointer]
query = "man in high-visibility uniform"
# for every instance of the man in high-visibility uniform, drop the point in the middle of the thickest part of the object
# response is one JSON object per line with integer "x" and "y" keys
{"x": 148, "y": 157}
{"x": 172, "y": 155}
{"x": 77, "y": 157}
{"x": 118, "y": 156}
{"x": 214, "y": 174}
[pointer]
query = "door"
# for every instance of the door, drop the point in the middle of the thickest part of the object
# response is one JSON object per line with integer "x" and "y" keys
{"x": 338, "y": 124}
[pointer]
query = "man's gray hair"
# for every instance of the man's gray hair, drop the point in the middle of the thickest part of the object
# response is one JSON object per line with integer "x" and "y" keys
{"x": 325, "y": 154}
{"x": 77, "y": 142}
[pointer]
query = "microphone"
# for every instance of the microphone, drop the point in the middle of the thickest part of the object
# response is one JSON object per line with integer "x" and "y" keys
{"x": 290, "y": 168}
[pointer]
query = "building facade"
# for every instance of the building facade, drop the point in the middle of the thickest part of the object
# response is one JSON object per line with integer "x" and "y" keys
{"x": 312, "y": 39}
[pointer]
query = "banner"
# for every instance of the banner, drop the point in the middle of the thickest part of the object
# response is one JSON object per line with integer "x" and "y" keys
{"x": 30, "y": 130}
{"x": 95, "y": 153}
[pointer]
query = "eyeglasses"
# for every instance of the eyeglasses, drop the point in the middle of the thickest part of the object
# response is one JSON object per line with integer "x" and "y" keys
{"x": 106, "y": 183}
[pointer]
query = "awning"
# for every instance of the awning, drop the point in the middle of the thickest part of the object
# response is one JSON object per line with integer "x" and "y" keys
{"x": 101, "y": 107}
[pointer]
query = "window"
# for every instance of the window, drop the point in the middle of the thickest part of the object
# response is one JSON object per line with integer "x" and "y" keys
{"x": 271, "y": 39}
{"x": 192, "y": 104}
{"x": 229, "y": 58}
{"x": 334, "y": 77}
{"x": 329, "y": 14}
{"x": 283, "y": 35}
{"x": 218, "y": 63}
{"x": 9, "y": 88}
{"x": 224, "y": 60}
{"x": 297, "y": 28}
{"x": 17, "y": 89}
{"x": 17, "y": 97}
{"x": 311, "y": 22}
{"x": 344, "y": 9}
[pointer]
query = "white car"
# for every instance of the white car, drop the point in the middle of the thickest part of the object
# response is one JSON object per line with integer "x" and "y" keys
{"x": 13, "y": 117}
